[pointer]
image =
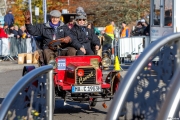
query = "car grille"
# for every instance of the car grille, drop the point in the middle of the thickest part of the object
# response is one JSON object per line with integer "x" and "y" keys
{"x": 87, "y": 78}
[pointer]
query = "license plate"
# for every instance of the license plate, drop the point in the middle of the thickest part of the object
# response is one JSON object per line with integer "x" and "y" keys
{"x": 86, "y": 89}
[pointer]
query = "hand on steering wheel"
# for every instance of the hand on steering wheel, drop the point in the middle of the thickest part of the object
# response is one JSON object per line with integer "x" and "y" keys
{"x": 55, "y": 44}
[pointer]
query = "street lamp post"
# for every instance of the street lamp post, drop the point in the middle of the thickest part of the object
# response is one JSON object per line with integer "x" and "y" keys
{"x": 36, "y": 13}
{"x": 45, "y": 10}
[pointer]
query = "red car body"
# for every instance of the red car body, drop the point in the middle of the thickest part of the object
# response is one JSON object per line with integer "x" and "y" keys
{"x": 80, "y": 78}
{"x": 67, "y": 77}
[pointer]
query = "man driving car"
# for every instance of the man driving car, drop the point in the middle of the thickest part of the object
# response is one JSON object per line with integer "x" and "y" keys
{"x": 54, "y": 34}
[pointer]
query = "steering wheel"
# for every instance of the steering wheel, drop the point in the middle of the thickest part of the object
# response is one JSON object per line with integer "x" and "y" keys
{"x": 55, "y": 44}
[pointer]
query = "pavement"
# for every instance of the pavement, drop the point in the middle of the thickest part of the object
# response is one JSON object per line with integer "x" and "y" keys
{"x": 12, "y": 65}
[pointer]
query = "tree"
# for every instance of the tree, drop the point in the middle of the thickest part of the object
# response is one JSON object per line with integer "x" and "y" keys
{"x": 20, "y": 6}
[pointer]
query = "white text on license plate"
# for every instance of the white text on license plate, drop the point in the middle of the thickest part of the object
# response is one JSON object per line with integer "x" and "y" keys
{"x": 85, "y": 89}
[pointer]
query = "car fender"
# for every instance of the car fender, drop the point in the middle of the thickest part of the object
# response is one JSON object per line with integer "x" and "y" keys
{"x": 27, "y": 69}
{"x": 114, "y": 78}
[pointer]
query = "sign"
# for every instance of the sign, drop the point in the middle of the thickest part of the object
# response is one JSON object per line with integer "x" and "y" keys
{"x": 82, "y": 79}
{"x": 36, "y": 11}
{"x": 61, "y": 64}
{"x": 86, "y": 89}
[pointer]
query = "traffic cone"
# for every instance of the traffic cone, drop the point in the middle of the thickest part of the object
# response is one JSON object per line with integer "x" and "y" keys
{"x": 117, "y": 64}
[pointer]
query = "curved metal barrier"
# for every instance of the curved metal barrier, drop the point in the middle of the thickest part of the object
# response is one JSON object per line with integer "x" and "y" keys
{"x": 147, "y": 81}
{"x": 31, "y": 97}
{"x": 170, "y": 106}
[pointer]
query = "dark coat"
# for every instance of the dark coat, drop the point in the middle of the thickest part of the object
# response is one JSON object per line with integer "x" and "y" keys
{"x": 9, "y": 19}
{"x": 20, "y": 32}
{"x": 84, "y": 38}
{"x": 15, "y": 32}
{"x": 138, "y": 31}
{"x": 46, "y": 32}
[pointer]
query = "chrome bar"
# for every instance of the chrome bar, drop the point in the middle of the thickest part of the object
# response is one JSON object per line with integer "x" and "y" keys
{"x": 170, "y": 105}
{"x": 50, "y": 97}
{"x": 24, "y": 81}
{"x": 134, "y": 70}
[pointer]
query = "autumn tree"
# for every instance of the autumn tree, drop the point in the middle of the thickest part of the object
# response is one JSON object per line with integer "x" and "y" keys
{"x": 19, "y": 6}
{"x": 99, "y": 11}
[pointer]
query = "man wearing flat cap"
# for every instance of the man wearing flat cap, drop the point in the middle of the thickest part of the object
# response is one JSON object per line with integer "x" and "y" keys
{"x": 54, "y": 33}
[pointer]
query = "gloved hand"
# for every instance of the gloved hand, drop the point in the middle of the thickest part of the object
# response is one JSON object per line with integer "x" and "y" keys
{"x": 65, "y": 40}
{"x": 27, "y": 17}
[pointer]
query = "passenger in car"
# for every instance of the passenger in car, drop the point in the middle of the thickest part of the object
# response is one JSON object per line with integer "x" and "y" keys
{"x": 84, "y": 38}
{"x": 55, "y": 35}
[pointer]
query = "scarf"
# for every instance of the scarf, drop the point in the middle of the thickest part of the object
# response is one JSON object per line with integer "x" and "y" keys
{"x": 54, "y": 25}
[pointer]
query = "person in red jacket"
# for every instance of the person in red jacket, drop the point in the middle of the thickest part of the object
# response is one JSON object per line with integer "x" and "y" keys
{"x": 2, "y": 32}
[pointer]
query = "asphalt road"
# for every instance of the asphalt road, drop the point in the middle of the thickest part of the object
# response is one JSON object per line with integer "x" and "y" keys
{"x": 72, "y": 111}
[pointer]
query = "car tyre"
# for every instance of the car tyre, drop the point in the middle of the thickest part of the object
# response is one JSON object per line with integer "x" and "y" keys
{"x": 94, "y": 102}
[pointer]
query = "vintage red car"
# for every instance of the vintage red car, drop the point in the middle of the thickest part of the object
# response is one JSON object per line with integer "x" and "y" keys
{"x": 80, "y": 78}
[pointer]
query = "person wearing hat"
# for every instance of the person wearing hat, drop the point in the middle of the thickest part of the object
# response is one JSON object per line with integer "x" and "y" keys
{"x": 9, "y": 18}
{"x": 54, "y": 34}
{"x": 146, "y": 27}
{"x": 83, "y": 36}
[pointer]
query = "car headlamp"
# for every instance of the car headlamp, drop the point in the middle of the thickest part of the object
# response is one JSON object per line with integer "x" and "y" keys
{"x": 52, "y": 62}
{"x": 106, "y": 62}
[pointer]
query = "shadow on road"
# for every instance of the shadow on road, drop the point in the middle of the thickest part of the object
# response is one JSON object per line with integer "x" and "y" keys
{"x": 74, "y": 107}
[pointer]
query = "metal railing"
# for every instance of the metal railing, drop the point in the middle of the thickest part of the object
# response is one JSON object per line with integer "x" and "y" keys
{"x": 140, "y": 74}
{"x": 33, "y": 92}
{"x": 170, "y": 106}
{"x": 130, "y": 45}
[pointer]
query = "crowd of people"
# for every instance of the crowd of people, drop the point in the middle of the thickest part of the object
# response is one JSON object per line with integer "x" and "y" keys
{"x": 78, "y": 37}
{"x": 72, "y": 39}
{"x": 142, "y": 28}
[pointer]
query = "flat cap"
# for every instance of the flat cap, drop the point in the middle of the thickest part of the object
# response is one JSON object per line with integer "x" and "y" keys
{"x": 55, "y": 13}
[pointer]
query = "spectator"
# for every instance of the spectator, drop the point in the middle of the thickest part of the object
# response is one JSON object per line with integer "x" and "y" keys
{"x": 52, "y": 31}
{"x": 22, "y": 40}
{"x": 146, "y": 27}
{"x": 18, "y": 42}
{"x": 3, "y": 34}
{"x": 138, "y": 31}
{"x": 15, "y": 31}
{"x": 13, "y": 42}
{"x": 11, "y": 29}
{"x": 108, "y": 34}
{"x": 125, "y": 31}
{"x": 168, "y": 18}
{"x": 144, "y": 23}
{"x": 70, "y": 24}
{"x": 22, "y": 32}
{"x": 6, "y": 29}
{"x": 84, "y": 37}
{"x": 91, "y": 26}
{"x": 9, "y": 18}
{"x": 109, "y": 30}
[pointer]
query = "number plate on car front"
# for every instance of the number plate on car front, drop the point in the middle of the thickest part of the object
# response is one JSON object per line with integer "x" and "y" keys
{"x": 86, "y": 89}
